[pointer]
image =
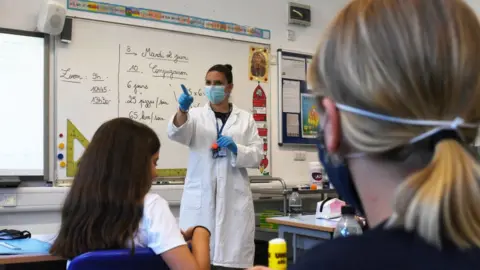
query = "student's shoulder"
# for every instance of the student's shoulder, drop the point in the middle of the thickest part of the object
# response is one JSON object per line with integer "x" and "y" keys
{"x": 154, "y": 200}
{"x": 373, "y": 249}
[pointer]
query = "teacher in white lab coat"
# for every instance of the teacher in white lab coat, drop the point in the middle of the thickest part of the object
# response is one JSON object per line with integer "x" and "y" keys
{"x": 224, "y": 142}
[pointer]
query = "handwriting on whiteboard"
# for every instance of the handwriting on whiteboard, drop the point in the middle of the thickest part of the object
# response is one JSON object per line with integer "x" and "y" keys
{"x": 138, "y": 90}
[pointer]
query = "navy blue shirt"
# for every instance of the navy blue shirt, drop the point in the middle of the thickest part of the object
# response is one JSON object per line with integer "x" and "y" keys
{"x": 386, "y": 250}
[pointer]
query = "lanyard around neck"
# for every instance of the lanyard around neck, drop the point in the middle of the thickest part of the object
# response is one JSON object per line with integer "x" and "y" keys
{"x": 219, "y": 130}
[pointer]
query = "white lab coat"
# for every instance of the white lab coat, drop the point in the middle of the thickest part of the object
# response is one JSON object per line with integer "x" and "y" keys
{"x": 217, "y": 191}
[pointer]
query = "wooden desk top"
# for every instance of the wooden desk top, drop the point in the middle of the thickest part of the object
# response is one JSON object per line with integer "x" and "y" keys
{"x": 31, "y": 258}
{"x": 305, "y": 222}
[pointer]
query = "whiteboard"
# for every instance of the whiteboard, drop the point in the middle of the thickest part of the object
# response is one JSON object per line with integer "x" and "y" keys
{"x": 22, "y": 106}
{"x": 111, "y": 70}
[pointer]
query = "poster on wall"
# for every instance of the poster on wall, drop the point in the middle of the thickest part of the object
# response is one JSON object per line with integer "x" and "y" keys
{"x": 259, "y": 102}
{"x": 258, "y": 64}
{"x": 166, "y": 17}
{"x": 309, "y": 86}
{"x": 310, "y": 116}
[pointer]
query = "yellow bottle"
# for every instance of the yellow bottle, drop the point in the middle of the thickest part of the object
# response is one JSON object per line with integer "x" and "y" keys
{"x": 277, "y": 254}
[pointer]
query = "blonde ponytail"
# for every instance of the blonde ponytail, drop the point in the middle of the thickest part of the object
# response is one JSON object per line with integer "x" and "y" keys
{"x": 443, "y": 199}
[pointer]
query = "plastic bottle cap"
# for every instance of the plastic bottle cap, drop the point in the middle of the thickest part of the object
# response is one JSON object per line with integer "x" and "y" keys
{"x": 295, "y": 189}
{"x": 277, "y": 241}
{"x": 348, "y": 210}
{"x": 61, "y": 145}
{"x": 62, "y": 164}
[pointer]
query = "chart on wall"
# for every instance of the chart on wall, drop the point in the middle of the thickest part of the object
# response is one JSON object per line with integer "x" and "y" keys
{"x": 297, "y": 107}
{"x": 111, "y": 70}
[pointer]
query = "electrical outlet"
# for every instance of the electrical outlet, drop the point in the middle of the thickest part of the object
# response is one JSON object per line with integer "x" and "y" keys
{"x": 8, "y": 200}
{"x": 273, "y": 59}
{"x": 300, "y": 156}
{"x": 291, "y": 35}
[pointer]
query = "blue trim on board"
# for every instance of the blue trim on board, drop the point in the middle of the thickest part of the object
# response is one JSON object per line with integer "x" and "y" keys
{"x": 138, "y": 13}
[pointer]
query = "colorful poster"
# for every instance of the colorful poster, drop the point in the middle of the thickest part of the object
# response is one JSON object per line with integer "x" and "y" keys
{"x": 259, "y": 110}
{"x": 258, "y": 64}
{"x": 166, "y": 17}
{"x": 310, "y": 116}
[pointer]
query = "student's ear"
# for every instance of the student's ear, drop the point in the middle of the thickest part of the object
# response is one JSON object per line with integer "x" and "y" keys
{"x": 332, "y": 126}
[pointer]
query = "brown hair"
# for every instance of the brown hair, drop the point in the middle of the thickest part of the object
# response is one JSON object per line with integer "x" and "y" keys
{"x": 105, "y": 203}
{"x": 414, "y": 59}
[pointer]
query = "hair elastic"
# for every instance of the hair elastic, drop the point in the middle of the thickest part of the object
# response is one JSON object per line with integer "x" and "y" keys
{"x": 444, "y": 134}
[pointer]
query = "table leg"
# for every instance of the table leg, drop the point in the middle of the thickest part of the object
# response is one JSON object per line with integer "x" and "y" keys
{"x": 294, "y": 240}
{"x": 281, "y": 232}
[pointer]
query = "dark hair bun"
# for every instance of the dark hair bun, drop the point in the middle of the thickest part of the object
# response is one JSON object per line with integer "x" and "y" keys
{"x": 229, "y": 67}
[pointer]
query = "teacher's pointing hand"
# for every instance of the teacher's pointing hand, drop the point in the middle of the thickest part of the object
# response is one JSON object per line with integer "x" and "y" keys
{"x": 185, "y": 100}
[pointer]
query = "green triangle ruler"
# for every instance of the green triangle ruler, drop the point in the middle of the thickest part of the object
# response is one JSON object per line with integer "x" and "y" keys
{"x": 74, "y": 134}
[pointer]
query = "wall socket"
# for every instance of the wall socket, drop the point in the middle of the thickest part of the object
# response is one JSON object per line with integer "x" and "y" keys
{"x": 8, "y": 200}
{"x": 291, "y": 35}
{"x": 300, "y": 156}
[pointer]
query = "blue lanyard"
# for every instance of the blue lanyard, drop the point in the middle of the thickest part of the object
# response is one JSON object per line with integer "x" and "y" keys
{"x": 219, "y": 130}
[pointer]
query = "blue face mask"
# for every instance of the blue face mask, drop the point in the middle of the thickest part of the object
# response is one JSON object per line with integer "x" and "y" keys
{"x": 215, "y": 93}
{"x": 340, "y": 177}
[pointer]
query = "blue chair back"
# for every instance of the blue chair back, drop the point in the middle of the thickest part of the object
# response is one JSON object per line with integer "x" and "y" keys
{"x": 121, "y": 259}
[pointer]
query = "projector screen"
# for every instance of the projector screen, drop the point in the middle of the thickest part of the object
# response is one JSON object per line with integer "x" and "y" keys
{"x": 22, "y": 105}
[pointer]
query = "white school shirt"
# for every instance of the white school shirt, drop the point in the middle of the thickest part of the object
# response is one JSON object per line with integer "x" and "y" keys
{"x": 158, "y": 227}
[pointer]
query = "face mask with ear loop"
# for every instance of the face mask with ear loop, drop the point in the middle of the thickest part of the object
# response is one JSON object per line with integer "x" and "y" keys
{"x": 337, "y": 170}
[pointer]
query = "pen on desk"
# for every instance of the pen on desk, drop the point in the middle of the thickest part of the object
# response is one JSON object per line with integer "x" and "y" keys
{"x": 9, "y": 246}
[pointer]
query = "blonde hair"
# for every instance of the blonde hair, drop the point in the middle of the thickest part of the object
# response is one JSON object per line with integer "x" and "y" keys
{"x": 415, "y": 59}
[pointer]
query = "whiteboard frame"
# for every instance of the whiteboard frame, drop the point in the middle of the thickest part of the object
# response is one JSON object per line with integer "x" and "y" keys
{"x": 55, "y": 131}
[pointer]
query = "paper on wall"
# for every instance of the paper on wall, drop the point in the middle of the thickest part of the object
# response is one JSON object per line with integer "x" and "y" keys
{"x": 291, "y": 96}
{"x": 309, "y": 62}
{"x": 293, "y": 125}
{"x": 293, "y": 68}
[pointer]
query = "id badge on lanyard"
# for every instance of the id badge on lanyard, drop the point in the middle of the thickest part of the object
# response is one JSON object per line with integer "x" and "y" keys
{"x": 218, "y": 152}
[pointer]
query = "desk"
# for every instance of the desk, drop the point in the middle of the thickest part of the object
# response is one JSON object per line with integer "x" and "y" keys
{"x": 308, "y": 229}
{"x": 32, "y": 258}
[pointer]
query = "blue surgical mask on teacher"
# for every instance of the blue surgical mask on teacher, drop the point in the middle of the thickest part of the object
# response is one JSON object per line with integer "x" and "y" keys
{"x": 215, "y": 93}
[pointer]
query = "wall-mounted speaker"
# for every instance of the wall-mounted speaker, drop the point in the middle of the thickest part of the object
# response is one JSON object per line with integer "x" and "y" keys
{"x": 51, "y": 17}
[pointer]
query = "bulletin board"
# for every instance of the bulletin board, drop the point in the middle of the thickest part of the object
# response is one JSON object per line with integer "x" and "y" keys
{"x": 297, "y": 112}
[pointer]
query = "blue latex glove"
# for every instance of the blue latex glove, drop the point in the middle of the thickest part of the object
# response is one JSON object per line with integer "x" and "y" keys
{"x": 185, "y": 99}
{"x": 227, "y": 142}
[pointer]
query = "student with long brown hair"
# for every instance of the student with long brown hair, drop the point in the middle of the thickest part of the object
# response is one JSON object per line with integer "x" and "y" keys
{"x": 109, "y": 207}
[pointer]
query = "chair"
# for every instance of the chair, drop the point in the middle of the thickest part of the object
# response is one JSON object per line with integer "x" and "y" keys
{"x": 121, "y": 259}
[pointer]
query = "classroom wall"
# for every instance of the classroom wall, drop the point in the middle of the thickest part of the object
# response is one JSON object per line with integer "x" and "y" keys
{"x": 40, "y": 206}
{"x": 267, "y": 14}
